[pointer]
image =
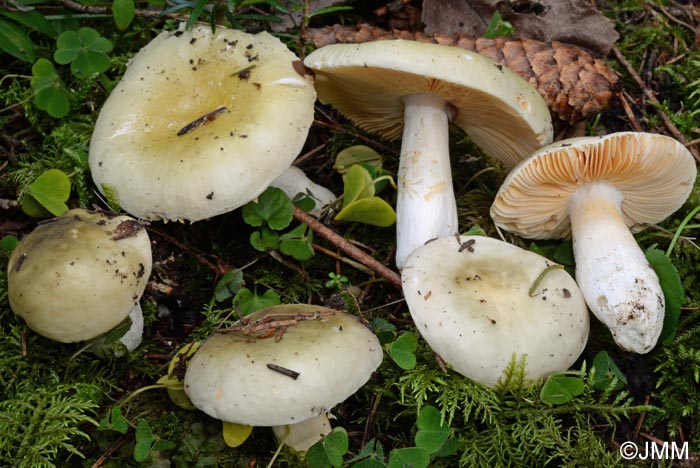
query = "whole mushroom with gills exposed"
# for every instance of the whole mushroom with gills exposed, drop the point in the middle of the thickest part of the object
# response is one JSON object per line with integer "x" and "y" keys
{"x": 599, "y": 190}
{"x": 285, "y": 365}
{"x": 201, "y": 123}
{"x": 78, "y": 276}
{"x": 480, "y": 303}
{"x": 395, "y": 87}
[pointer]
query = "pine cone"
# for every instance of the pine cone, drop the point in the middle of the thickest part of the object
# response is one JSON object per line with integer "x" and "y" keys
{"x": 574, "y": 84}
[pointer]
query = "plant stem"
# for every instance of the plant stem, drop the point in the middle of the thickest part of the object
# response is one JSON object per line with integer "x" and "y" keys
{"x": 337, "y": 240}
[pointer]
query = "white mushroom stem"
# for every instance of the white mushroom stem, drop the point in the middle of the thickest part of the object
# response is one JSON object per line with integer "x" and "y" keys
{"x": 302, "y": 435}
{"x": 293, "y": 181}
{"x": 617, "y": 282}
{"x": 425, "y": 205}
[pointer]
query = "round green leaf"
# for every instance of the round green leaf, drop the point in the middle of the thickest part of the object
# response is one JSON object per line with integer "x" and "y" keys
{"x": 411, "y": 456}
{"x": 51, "y": 190}
{"x": 402, "y": 351}
{"x": 357, "y": 184}
{"x": 123, "y": 12}
{"x": 273, "y": 207}
{"x": 606, "y": 371}
{"x": 673, "y": 292}
{"x": 235, "y": 434}
{"x": 50, "y": 94}
{"x": 374, "y": 211}
{"x": 355, "y": 155}
{"x": 561, "y": 388}
{"x": 432, "y": 430}
{"x": 329, "y": 451}
{"x": 297, "y": 243}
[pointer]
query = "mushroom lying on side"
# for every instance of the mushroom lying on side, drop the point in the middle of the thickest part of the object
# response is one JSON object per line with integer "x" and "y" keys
{"x": 392, "y": 86}
{"x": 480, "y": 302}
{"x": 77, "y": 276}
{"x": 600, "y": 190}
{"x": 201, "y": 123}
{"x": 281, "y": 366}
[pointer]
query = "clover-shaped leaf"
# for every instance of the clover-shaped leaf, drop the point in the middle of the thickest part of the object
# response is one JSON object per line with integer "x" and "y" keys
{"x": 85, "y": 50}
{"x": 432, "y": 430}
{"x": 50, "y": 94}
{"x": 414, "y": 457}
{"x": 297, "y": 243}
{"x": 606, "y": 371}
{"x": 265, "y": 239}
{"x": 250, "y": 301}
{"x": 147, "y": 442}
{"x": 47, "y": 195}
{"x": 328, "y": 452}
{"x": 123, "y": 12}
{"x": 403, "y": 349}
{"x": 273, "y": 207}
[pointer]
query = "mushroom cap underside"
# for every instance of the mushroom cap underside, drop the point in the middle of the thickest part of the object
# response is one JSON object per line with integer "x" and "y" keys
{"x": 654, "y": 174}
{"x": 282, "y": 372}
{"x": 470, "y": 299}
{"x": 201, "y": 123}
{"x": 500, "y": 111}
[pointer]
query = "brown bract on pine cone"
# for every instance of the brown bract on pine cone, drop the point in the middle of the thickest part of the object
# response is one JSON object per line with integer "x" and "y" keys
{"x": 574, "y": 84}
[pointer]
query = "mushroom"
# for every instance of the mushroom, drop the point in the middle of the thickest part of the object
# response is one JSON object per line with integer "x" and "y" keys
{"x": 293, "y": 181}
{"x": 480, "y": 303}
{"x": 201, "y": 123}
{"x": 77, "y": 276}
{"x": 387, "y": 86}
{"x": 600, "y": 190}
{"x": 283, "y": 365}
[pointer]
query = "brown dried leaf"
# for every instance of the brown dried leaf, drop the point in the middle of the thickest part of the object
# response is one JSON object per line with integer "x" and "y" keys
{"x": 572, "y": 21}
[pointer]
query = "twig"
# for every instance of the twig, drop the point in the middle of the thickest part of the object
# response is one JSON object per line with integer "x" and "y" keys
{"x": 352, "y": 263}
{"x": 100, "y": 461}
{"x": 655, "y": 102}
{"x": 337, "y": 240}
{"x": 105, "y": 10}
{"x": 219, "y": 269}
{"x": 629, "y": 112}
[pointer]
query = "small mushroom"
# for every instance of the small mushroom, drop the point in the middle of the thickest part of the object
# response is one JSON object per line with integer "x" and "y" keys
{"x": 281, "y": 366}
{"x": 201, "y": 123}
{"x": 480, "y": 302}
{"x": 600, "y": 190}
{"x": 390, "y": 87}
{"x": 293, "y": 181}
{"x": 77, "y": 276}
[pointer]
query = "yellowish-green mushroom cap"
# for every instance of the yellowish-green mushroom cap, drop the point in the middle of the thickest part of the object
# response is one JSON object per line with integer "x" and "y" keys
{"x": 286, "y": 364}
{"x": 79, "y": 275}
{"x": 480, "y": 303}
{"x": 201, "y": 123}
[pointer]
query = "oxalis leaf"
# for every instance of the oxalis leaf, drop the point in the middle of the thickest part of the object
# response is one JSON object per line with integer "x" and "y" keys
{"x": 297, "y": 243}
{"x": 47, "y": 194}
{"x": 273, "y": 207}
{"x": 85, "y": 50}
{"x": 672, "y": 289}
{"x": 50, "y": 93}
{"x": 402, "y": 351}
{"x": 410, "y": 456}
{"x": 560, "y": 388}
{"x": 606, "y": 371}
{"x": 328, "y": 452}
{"x": 432, "y": 430}
{"x": 249, "y": 301}
{"x": 147, "y": 442}
{"x": 123, "y": 12}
